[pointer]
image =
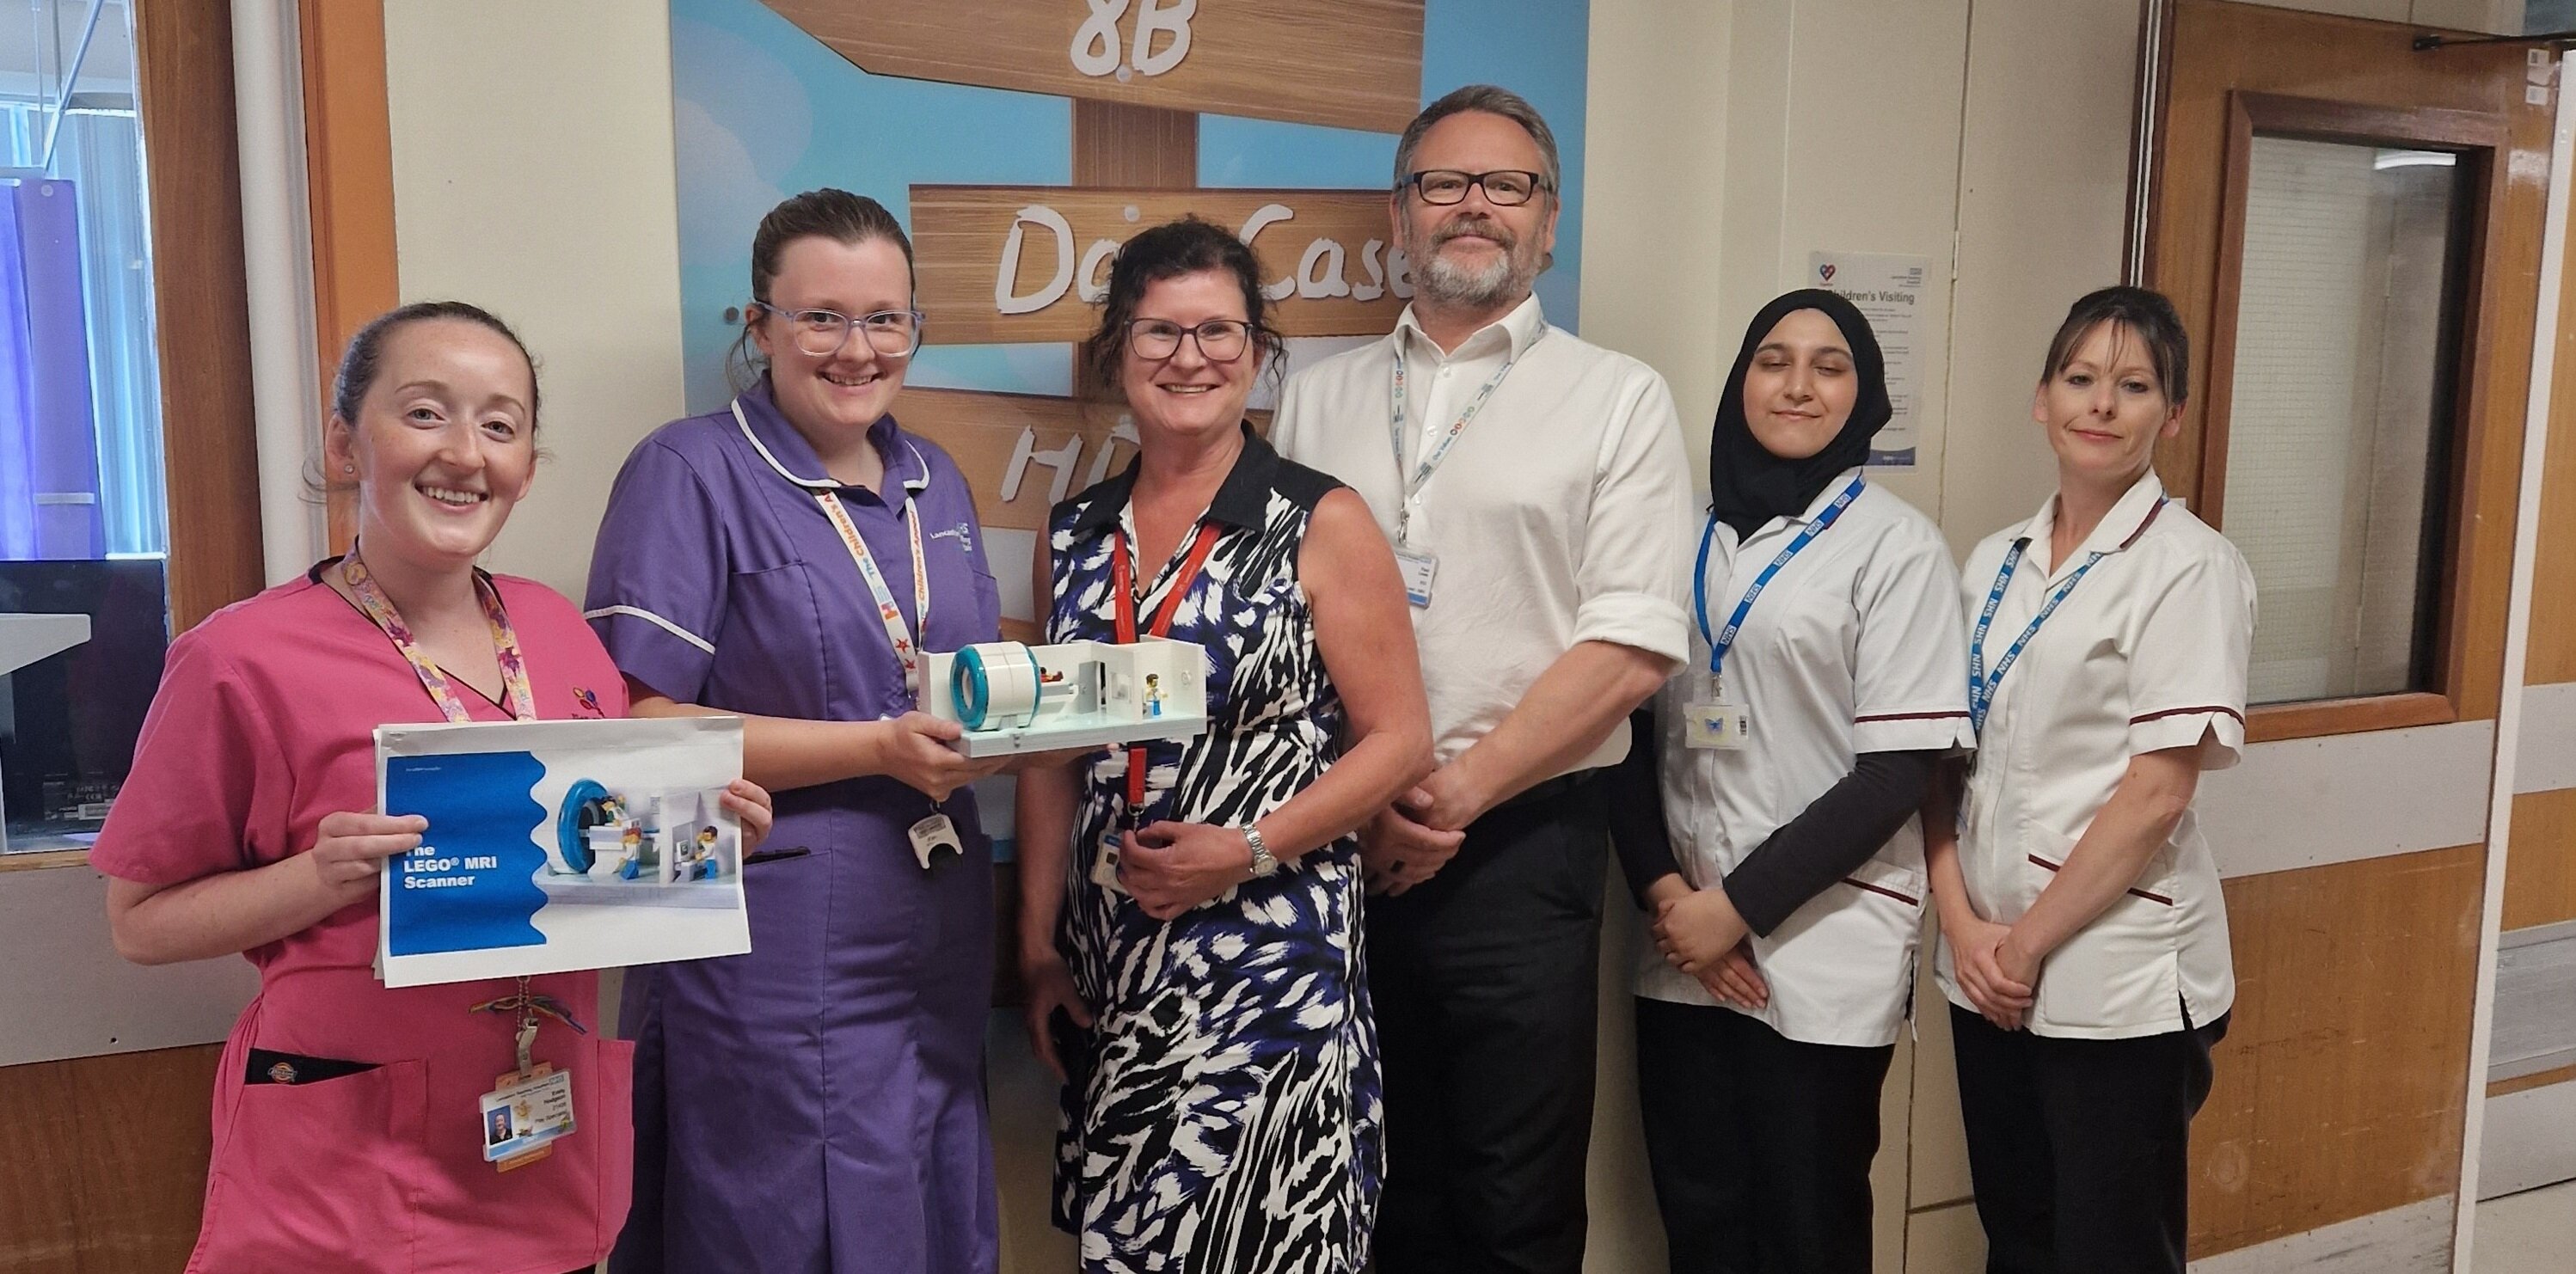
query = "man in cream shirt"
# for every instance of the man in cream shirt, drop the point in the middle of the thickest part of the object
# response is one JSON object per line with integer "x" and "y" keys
{"x": 1533, "y": 486}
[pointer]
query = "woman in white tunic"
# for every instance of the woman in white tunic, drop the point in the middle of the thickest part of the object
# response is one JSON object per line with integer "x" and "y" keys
{"x": 2084, "y": 940}
{"x": 1791, "y": 757}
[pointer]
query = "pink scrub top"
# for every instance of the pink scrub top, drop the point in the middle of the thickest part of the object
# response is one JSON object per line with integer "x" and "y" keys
{"x": 263, "y": 724}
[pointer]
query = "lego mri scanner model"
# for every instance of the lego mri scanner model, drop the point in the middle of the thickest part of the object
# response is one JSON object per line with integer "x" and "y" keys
{"x": 1011, "y": 697}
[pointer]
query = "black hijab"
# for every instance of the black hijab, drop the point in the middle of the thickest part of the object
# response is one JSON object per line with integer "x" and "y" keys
{"x": 1747, "y": 485}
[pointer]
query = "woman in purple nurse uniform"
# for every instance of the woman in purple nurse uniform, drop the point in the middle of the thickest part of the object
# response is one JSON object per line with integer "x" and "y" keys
{"x": 816, "y": 1105}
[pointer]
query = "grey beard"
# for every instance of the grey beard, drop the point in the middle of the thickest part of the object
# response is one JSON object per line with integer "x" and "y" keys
{"x": 1445, "y": 281}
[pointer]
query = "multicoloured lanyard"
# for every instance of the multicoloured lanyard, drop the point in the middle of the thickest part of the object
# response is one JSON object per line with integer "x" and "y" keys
{"x": 1423, "y": 470}
{"x": 1123, "y": 587}
{"x": 1981, "y": 687}
{"x": 523, "y": 705}
{"x": 1723, "y": 641}
{"x": 898, "y": 633}
{"x": 505, "y": 642}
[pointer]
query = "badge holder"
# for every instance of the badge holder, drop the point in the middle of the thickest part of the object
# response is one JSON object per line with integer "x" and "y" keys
{"x": 529, "y": 1108}
{"x": 934, "y": 836}
{"x": 1715, "y": 722}
{"x": 1417, "y": 569}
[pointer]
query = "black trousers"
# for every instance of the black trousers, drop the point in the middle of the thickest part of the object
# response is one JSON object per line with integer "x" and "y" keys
{"x": 1760, "y": 1145}
{"x": 2079, "y": 1149}
{"x": 1485, "y": 982}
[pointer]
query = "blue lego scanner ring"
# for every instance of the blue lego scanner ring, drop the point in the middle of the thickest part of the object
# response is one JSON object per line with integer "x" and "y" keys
{"x": 570, "y": 835}
{"x": 994, "y": 685}
{"x": 966, "y": 683}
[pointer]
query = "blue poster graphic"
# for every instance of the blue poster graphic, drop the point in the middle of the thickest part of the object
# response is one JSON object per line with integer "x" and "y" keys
{"x": 471, "y": 886}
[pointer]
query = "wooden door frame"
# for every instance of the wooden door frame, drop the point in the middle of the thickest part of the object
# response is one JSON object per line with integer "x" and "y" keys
{"x": 2479, "y": 138}
{"x": 2476, "y": 556}
{"x": 183, "y": 55}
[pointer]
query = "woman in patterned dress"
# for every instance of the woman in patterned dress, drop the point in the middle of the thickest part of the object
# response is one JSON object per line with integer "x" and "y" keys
{"x": 1193, "y": 957}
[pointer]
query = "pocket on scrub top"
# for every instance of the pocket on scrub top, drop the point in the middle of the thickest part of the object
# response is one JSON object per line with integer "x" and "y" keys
{"x": 1887, "y": 880}
{"x": 319, "y": 1174}
{"x": 2121, "y": 967}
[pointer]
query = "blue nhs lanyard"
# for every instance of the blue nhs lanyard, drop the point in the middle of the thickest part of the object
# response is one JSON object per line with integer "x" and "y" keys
{"x": 1724, "y": 639}
{"x": 1981, "y": 687}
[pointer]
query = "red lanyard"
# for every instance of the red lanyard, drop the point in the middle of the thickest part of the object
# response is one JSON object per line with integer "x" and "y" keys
{"x": 1123, "y": 586}
{"x": 505, "y": 643}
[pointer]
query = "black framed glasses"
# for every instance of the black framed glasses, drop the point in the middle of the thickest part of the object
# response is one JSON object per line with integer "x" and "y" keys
{"x": 1504, "y": 187}
{"x": 822, "y": 333}
{"x": 1219, "y": 340}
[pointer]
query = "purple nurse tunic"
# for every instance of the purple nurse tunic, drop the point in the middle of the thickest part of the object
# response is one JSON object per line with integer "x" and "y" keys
{"x": 816, "y": 1105}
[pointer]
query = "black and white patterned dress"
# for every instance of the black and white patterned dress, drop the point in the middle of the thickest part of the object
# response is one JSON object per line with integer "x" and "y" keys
{"x": 1226, "y": 1119}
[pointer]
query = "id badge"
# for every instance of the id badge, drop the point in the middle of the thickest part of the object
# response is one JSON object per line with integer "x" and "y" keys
{"x": 524, "y": 1114}
{"x": 1719, "y": 725}
{"x": 1104, "y": 866}
{"x": 933, "y": 836}
{"x": 1417, "y": 569}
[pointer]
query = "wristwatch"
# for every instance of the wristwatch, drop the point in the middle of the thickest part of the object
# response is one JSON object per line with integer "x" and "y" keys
{"x": 1262, "y": 863}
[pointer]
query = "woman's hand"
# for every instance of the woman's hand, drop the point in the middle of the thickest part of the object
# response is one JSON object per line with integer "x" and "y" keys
{"x": 1736, "y": 979}
{"x": 750, "y": 804}
{"x": 914, "y": 750}
{"x": 353, "y": 847}
{"x": 1050, "y": 987}
{"x": 1975, "y": 954}
{"x": 1697, "y": 930}
{"x": 1169, "y": 868}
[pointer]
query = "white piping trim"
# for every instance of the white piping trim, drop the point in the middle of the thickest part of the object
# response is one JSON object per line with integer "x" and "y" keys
{"x": 657, "y": 621}
{"x": 825, "y": 483}
{"x": 2517, "y": 647}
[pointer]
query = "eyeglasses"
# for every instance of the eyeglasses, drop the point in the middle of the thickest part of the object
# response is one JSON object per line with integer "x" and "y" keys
{"x": 822, "y": 333}
{"x": 1219, "y": 340}
{"x": 1504, "y": 188}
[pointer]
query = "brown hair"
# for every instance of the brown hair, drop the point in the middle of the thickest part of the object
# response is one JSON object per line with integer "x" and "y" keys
{"x": 828, "y": 213}
{"x": 2148, "y": 316}
{"x": 1169, "y": 251}
{"x": 364, "y": 359}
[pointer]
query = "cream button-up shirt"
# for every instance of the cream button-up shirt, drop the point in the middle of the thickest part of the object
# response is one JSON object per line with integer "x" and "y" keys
{"x": 1554, "y": 519}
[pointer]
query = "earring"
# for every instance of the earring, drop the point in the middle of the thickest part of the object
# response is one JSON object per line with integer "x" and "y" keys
{"x": 348, "y": 468}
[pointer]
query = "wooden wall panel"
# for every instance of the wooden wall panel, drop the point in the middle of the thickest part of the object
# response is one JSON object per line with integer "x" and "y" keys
{"x": 2540, "y": 872}
{"x": 183, "y": 55}
{"x": 2341, "y": 1084}
{"x": 349, "y": 176}
{"x": 103, "y": 1161}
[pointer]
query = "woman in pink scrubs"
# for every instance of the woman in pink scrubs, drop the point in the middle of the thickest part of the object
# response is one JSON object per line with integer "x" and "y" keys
{"x": 347, "y": 1127}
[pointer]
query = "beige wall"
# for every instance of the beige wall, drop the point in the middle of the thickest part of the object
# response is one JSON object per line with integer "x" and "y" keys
{"x": 532, "y": 176}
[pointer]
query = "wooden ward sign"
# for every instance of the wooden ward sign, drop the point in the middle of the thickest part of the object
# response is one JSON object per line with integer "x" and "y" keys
{"x": 1338, "y": 63}
{"x": 1018, "y": 264}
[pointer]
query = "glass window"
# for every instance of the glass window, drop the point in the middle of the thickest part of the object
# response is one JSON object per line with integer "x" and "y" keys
{"x": 84, "y": 523}
{"x": 2340, "y": 409}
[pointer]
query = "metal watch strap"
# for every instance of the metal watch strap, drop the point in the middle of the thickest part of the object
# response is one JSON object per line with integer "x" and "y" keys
{"x": 1262, "y": 863}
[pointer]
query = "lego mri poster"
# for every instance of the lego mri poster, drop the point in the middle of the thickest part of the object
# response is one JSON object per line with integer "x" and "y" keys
{"x": 557, "y": 845}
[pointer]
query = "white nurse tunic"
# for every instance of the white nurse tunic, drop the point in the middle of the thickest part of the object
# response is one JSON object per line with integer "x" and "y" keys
{"x": 1854, "y": 646}
{"x": 2147, "y": 652}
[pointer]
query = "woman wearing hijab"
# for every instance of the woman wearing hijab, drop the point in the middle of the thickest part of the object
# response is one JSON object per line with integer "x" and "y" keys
{"x": 1782, "y": 864}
